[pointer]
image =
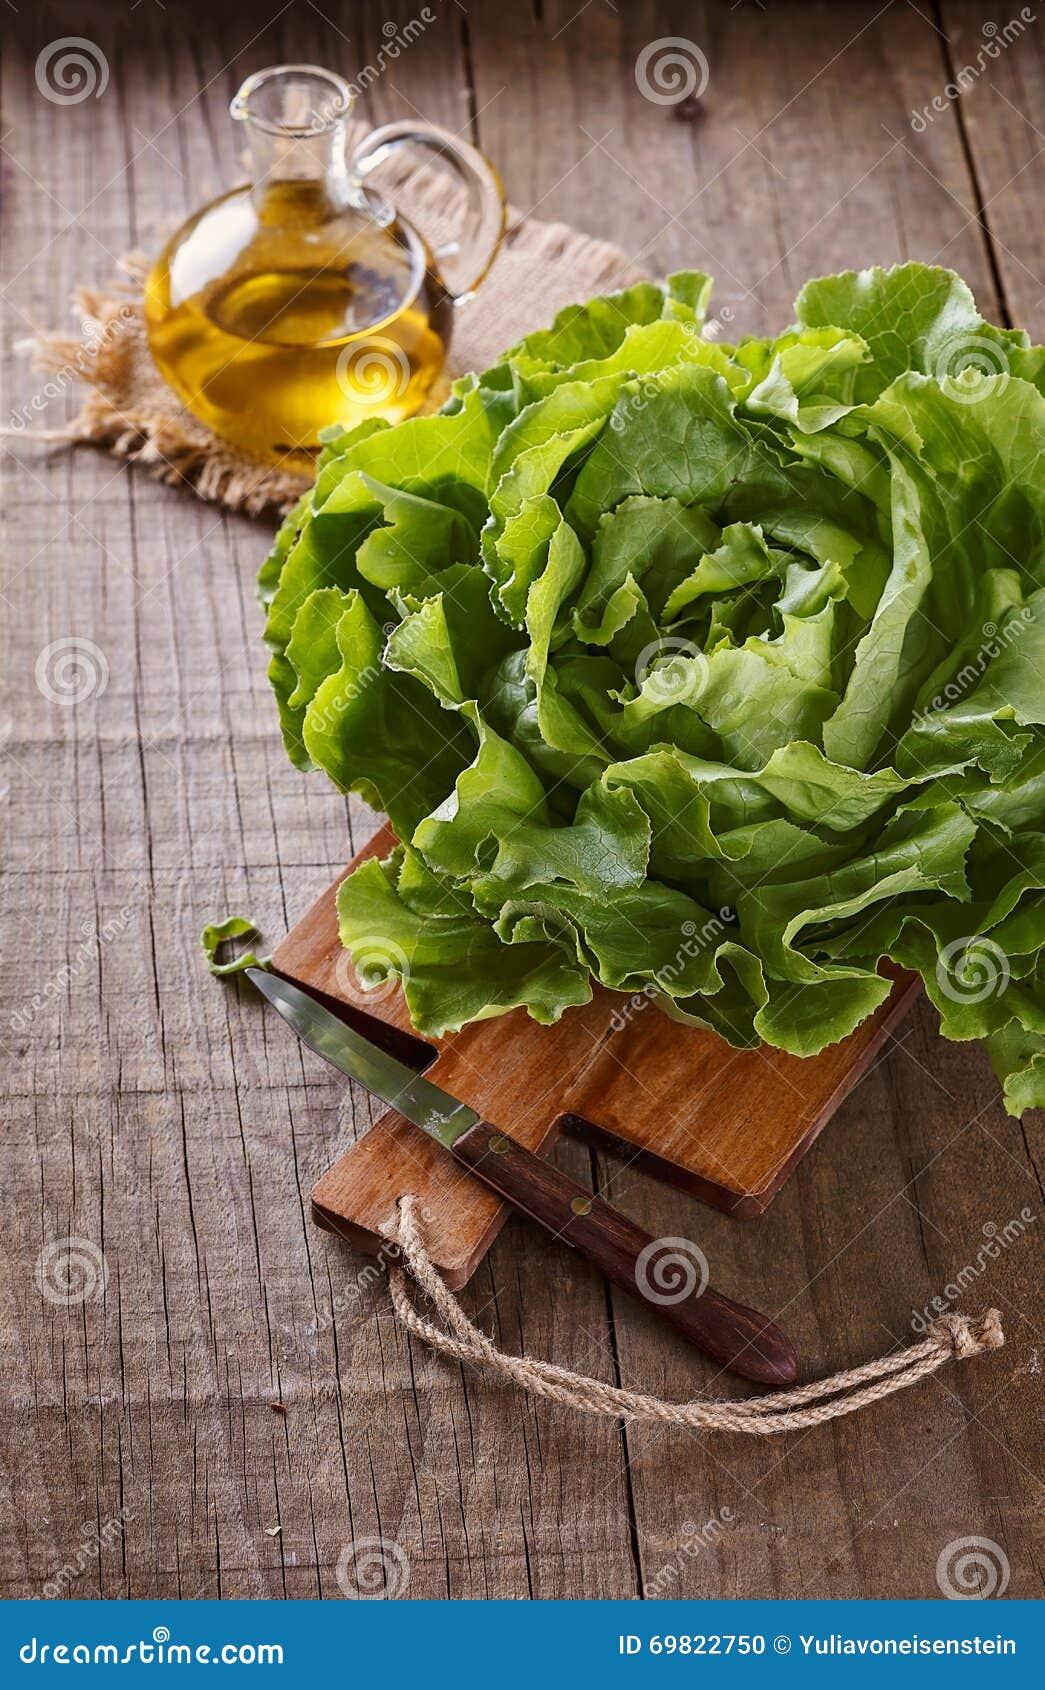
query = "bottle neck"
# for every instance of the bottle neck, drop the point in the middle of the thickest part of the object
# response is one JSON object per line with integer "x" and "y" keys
{"x": 302, "y": 175}
{"x": 296, "y": 120}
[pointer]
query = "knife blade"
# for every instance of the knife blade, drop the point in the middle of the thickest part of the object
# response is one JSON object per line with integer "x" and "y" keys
{"x": 735, "y": 1335}
{"x": 402, "y": 1088}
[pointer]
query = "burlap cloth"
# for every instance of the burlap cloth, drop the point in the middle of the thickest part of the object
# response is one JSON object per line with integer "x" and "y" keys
{"x": 130, "y": 410}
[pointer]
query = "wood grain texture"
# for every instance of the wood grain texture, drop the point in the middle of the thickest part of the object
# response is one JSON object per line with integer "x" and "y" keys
{"x": 164, "y": 1120}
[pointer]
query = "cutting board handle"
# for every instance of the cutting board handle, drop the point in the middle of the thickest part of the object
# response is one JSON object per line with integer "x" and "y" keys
{"x": 669, "y": 1275}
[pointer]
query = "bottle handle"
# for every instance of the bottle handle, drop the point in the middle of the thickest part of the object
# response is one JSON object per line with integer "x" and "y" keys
{"x": 485, "y": 217}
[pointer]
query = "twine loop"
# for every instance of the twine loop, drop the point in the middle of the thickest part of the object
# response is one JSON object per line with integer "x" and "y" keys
{"x": 953, "y": 1337}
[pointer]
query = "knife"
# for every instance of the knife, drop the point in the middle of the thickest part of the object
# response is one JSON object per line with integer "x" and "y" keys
{"x": 738, "y": 1337}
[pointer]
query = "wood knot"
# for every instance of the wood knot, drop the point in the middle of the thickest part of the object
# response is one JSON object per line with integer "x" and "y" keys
{"x": 964, "y": 1337}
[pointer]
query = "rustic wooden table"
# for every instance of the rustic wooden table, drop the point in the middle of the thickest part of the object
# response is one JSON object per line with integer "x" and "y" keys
{"x": 223, "y": 1400}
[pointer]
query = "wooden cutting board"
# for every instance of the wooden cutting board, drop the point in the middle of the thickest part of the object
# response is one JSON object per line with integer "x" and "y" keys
{"x": 727, "y": 1125}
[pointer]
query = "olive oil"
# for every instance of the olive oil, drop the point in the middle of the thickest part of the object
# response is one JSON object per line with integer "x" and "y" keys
{"x": 314, "y": 323}
{"x": 302, "y": 300}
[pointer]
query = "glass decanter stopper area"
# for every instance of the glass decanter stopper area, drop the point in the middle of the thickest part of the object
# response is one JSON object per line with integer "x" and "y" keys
{"x": 302, "y": 300}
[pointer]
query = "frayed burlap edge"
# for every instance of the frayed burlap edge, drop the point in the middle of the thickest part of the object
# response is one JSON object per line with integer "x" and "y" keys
{"x": 131, "y": 412}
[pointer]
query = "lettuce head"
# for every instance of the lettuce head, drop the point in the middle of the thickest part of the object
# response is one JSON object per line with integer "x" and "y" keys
{"x": 710, "y": 672}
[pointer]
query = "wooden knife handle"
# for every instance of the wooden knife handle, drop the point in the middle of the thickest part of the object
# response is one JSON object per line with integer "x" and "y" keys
{"x": 669, "y": 1275}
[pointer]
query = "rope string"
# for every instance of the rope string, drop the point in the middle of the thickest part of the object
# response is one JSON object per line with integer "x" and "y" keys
{"x": 951, "y": 1338}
